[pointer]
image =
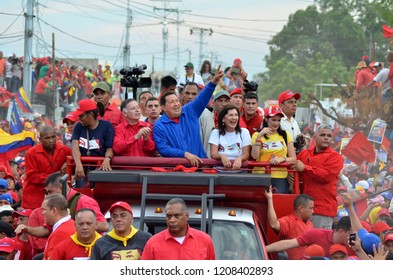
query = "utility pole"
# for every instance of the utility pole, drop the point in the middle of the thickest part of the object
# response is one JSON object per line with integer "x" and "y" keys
{"x": 189, "y": 54}
{"x": 201, "y": 32}
{"x": 127, "y": 47}
{"x": 56, "y": 94}
{"x": 165, "y": 28}
{"x": 28, "y": 48}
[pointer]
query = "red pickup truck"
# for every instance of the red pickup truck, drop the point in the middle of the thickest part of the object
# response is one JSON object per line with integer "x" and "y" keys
{"x": 229, "y": 205}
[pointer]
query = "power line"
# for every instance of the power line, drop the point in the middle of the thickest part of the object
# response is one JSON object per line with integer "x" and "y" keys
{"x": 77, "y": 38}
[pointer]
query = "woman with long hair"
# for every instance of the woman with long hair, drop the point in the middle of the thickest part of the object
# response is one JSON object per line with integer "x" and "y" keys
{"x": 91, "y": 137}
{"x": 206, "y": 72}
{"x": 229, "y": 142}
{"x": 274, "y": 145}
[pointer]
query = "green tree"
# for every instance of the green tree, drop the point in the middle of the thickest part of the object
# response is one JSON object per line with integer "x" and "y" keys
{"x": 285, "y": 74}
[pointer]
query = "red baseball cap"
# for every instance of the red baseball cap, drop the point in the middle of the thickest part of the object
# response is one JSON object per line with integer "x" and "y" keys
{"x": 236, "y": 91}
{"x": 379, "y": 227}
{"x": 7, "y": 245}
{"x": 313, "y": 250}
{"x": 388, "y": 237}
{"x": 83, "y": 106}
{"x": 273, "y": 111}
{"x": 236, "y": 62}
{"x": 287, "y": 95}
{"x": 383, "y": 211}
{"x": 24, "y": 213}
{"x": 121, "y": 204}
{"x": 70, "y": 116}
{"x": 337, "y": 248}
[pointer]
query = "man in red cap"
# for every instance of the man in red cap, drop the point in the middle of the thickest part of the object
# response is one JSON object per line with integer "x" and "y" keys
{"x": 388, "y": 242}
{"x": 288, "y": 104}
{"x": 124, "y": 241}
{"x": 41, "y": 160}
{"x": 70, "y": 120}
{"x": 338, "y": 252}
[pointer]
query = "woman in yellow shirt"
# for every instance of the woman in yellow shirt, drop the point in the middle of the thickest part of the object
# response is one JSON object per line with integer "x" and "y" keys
{"x": 274, "y": 145}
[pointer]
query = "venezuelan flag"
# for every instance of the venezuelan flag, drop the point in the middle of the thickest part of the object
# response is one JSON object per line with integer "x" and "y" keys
{"x": 11, "y": 145}
{"x": 23, "y": 101}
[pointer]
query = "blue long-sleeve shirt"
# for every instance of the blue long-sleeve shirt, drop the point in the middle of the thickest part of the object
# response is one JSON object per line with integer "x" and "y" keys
{"x": 174, "y": 139}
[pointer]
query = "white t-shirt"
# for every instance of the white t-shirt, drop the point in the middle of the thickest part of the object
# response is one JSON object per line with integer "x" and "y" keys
{"x": 231, "y": 143}
{"x": 195, "y": 78}
{"x": 381, "y": 77}
{"x": 291, "y": 126}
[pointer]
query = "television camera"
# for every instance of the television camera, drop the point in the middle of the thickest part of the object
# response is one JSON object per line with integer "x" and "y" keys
{"x": 131, "y": 79}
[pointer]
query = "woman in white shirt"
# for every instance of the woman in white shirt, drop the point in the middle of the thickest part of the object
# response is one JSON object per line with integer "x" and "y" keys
{"x": 230, "y": 143}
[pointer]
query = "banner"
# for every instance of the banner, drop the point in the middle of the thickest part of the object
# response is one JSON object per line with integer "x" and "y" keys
{"x": 387, "y": 31}
{"x": 377, "y": 131}
{"x": 359, "y": 149}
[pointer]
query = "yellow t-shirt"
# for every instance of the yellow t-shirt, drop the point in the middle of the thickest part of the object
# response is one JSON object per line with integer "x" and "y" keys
{"x": 276, "y": 146}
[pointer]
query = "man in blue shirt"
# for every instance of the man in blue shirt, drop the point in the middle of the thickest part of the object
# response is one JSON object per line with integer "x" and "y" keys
{"x": 176, "y": 133}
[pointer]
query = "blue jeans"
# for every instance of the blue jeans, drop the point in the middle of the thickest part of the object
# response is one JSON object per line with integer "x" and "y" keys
{"x": 281, "y": 184}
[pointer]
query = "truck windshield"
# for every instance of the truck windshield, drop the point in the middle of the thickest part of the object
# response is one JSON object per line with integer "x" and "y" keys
{"x": 233, "y": 240}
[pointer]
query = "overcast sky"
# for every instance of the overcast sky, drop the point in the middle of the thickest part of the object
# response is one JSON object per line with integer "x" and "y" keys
{"x": 96, "y": 29}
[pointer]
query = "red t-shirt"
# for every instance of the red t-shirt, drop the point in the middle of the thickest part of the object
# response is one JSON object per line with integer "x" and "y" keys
{"x": 321, "y": 237}
{"x": 112, "y": 115}
{"x": 36, "y": 219}
{"x": 391, "y": 74}
{"x": 291, "y": 226}
{"x": 24, "y": 248}
{"x": 86, "y": 201}
{"x": 253, "y": 124}
{"x": 68, "y": 250}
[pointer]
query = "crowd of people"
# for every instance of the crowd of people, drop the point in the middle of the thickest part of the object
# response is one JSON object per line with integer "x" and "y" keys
{"x": 212, "y": 114}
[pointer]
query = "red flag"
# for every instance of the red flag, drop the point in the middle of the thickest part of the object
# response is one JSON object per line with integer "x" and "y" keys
{"x": 387, "y": 31}
{"x": 385, "y": 144}
{"x": 359, "y": 149}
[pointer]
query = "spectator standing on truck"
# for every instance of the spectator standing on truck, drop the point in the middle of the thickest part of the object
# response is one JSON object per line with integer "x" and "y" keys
{"x": 319, "y": 168}
{"x": 123, "y": 242}
{"x": 153, "y": 111}
{"x": 274, "y": 145}
{"x": 294, "y": 224}
{"x": 80, "y": 244}
{"x": 176, "y": 133}
{"x": 102, "y": 94}
{"x": 91, "y": 137}
{"x": 288, "y": 104}
{"x": 179, "y": 241}
{"x": 206, "y": 120}
{"x": 41, "y": 160}
{"x": 230, "y": 142}
{"x": 133, "y": 137}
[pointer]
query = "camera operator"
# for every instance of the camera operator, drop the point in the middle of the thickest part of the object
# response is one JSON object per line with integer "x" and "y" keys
{"x": 16, "y": 70}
